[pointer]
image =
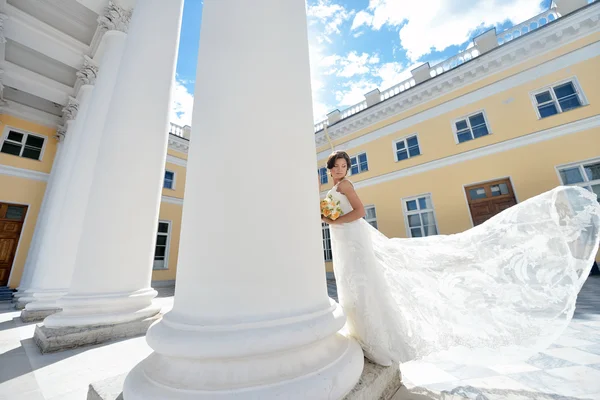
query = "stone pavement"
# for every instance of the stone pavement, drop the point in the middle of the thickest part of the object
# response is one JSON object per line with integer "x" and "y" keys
{"x": 570, "y": 369}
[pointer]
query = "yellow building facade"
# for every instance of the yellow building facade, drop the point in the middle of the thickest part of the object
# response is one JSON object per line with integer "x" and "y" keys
{"x": 452, "y": 149}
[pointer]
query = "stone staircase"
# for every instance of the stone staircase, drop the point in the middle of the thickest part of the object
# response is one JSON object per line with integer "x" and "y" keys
{"x": 6, "y": 297}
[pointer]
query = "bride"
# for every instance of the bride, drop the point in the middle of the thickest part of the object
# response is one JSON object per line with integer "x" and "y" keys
{"x": 499, "y": 292}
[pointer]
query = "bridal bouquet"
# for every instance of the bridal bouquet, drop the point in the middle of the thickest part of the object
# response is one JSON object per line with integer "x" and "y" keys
{"x": 331, "y": 208}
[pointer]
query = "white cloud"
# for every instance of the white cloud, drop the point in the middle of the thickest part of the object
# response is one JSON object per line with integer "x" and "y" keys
{"x": 182, "y": 104}
{"x": 391, "y": 74}
{"x": 350, "y": 65}
{"x": 442, "y": 23}
{"x": 329, "y": 16}
{"x": 355, "y": 92}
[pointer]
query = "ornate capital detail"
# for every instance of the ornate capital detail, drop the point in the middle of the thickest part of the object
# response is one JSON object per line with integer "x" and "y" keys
{"x": 88, "y": 72}
{"x": 115, "y": 18}
{"x": 3, "y": 17}
{"x": 60, "y": 133}
{"x": 70, "y": 110}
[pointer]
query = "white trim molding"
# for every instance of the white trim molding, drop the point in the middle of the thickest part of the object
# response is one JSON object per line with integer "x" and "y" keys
{"x": 30, "y": 114}
{"x": 23, "y": 173}
{"x": 172, "y": 200}
{"x": 536, "y": 137}
{"x": 176, "y": 160}
{"x": 539, "y": 42}
{"x": 178, "y": 143}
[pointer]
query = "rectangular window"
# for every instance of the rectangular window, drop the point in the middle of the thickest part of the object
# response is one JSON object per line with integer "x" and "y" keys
{"x": 24, "y": 145}
{"x": 161, "y": 250}
{"x": 585, "y": 174}
{"x": 323, "y": 175}
{"x": 406, "y": 148}
{"x": 359, "y": 164}
{"x": 327, "y": 254}
{"x": 419, "y": 216}
{"x": 558, "y": 98}
{"x": 471, "y": 127}
{"x": 169, "y": 182}
{"x": 371, "y": 216}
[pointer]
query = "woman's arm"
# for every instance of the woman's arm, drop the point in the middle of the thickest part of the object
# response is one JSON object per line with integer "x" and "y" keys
{"x": 347, "y": 189}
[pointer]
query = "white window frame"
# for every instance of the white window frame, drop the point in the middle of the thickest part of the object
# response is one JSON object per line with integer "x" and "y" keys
{"x": 404, "y": 139}
{"x": 174, "y": 179}
{"x": 326, "y": 249}
{"x": 168, "y": 245}
{"x": 371, "y": 220}
{"x": 326, "y": 177}
{"x": 550, "y": 88}
{"x": 579, "y": 164}
{"x": 407, "y": 213}
{"x": 358, "y": 163}
{"x": 25, "y": 134}
{"x": 466, "y": 117}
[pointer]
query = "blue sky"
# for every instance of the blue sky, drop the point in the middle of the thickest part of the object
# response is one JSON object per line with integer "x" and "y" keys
{"x": 359, "y": 45}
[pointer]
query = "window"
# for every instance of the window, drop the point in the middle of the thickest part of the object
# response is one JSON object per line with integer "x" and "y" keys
{"x": 323, "y": 175}
{"x": 359, "y": 163}
{"x": 585, "y": 174}
{"x": 558, "y": 98}
{"x": 472, "y": 127}
{"x": 169, "y": 182}
{"x": 327, "y": 253}
{"x": 419, "y": 216}
{"x": 161, "y": 250}
{"x": 371, "y": 216}
{"x": 24, "y": 145}
{"x": 406, "y": 148}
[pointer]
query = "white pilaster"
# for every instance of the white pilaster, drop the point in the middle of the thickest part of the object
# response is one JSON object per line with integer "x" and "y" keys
{"x": 251, "y": 318}
{"x": 111, "y": 280}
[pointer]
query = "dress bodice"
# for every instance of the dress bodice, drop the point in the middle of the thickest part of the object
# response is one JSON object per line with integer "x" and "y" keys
{"x": 337, "y": 196}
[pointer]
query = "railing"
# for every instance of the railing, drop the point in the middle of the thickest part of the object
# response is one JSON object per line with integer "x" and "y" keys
{"x": 527, "y": 26}
{"x": 398, "y": 88}
{"x": 321, "y": 125}
{"x": 176, "y": 130}
{"x": 454, "y": 61}
{"x": 348, "y": 112}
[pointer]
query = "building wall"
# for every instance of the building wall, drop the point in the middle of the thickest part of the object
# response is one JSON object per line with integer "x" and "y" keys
{"x": 521, "y": 146}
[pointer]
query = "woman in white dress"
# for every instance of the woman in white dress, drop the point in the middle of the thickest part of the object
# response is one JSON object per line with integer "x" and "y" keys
{"x": 499, "y": 292}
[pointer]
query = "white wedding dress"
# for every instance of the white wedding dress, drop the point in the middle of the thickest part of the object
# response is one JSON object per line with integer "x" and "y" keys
{"x": 499, "y": 292}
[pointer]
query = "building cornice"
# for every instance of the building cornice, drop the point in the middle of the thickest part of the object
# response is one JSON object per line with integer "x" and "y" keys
{"x": 560, "y": 32}
{"x": 172, "y": 200}
{"x": 176, "y": 160}
{"x": 179, "y": 144}
{"x": 21, "y": 111}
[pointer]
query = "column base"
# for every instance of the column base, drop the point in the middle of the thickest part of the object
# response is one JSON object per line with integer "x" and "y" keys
{"x": 37, "y": 315}
{"x": 50, "y": 340}
{"x": 376, "y": 382}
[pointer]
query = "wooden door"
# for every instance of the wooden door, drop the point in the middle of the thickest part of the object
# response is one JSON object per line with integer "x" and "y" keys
{"x": 12, "y": 217}
{"x": 490, "y": 198}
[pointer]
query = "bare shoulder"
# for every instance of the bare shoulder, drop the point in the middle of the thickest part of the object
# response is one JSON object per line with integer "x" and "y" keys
{"x": 346, "y": 186}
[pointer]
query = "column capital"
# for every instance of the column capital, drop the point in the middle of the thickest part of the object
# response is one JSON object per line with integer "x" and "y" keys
{"x": 3, "y": 17}
{"x": 70, "y": 110}
{"x": 115, "y": 18}
{"x": 88, "y": 72}
{"x": 61, "y": 131}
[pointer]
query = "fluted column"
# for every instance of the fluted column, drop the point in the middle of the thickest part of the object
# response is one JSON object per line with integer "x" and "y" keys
{"x": 251, "y": 317}
{"x": 111, "y": 281}
{"x": 54, "y": 265}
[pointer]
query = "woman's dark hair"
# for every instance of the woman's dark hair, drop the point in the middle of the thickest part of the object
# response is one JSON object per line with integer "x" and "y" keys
{"x": 336, "y": 155}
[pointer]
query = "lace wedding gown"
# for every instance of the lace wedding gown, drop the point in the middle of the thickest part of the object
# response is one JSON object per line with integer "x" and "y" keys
{"x": 499, "y": 292}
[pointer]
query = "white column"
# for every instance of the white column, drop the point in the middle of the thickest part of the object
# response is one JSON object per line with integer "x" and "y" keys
{"x": 51, "y": 278}
{"x": 55, "y": 264}
{"x": 251, "y": 318}
{"x": 111, "y": 281}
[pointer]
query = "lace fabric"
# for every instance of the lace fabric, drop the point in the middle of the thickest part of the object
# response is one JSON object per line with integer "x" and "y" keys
{"x": 499, "y": 292}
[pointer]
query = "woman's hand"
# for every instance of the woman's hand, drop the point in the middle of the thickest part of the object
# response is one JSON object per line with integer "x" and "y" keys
{"x": 327, "y": 220}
